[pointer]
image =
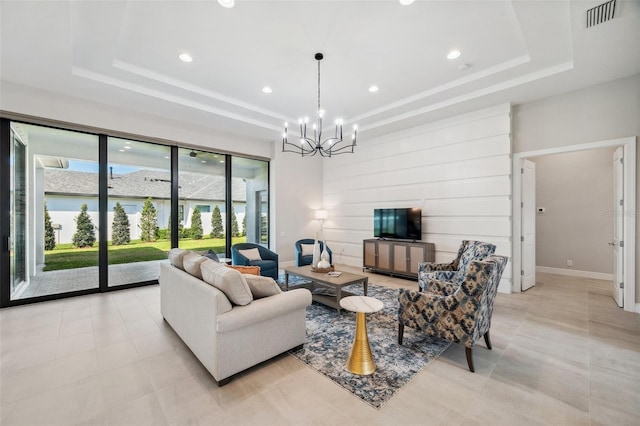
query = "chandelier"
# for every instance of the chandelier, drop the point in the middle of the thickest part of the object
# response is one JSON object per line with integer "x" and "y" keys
{"x": 311, "y": 145}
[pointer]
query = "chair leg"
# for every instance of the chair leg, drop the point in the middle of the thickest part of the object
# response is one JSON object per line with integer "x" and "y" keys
{"x": 400, "y": 332}
{"x": 469, "y": 359}
{"x": 487, "y": 340}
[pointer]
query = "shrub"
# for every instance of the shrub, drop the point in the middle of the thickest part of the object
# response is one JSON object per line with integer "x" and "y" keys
{"x": 164, "y": 233}
{"x": 196, "y": 224}
{"x": 85, "y": 234}
{"x": 234, "y": 224}
{"x": 148, "y": 221}
{"x": 49, "y": 236}
{"x": 120, "y": 228}
{"x": 217, "y": 230}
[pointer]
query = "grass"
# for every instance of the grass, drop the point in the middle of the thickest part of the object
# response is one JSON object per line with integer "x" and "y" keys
{"x": 65, "y": 256}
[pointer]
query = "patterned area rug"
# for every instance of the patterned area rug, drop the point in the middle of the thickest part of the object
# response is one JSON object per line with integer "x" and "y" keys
{"x": 329, "y": 340}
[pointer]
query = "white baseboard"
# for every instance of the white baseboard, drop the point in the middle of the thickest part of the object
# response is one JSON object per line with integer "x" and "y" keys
{"x": 575, "y": 273}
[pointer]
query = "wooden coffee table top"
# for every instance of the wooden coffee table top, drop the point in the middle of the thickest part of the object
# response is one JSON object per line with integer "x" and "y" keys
{"x": 321, "y": 277}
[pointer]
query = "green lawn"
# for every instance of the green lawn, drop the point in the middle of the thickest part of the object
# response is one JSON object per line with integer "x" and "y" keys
{"x": 65, "y": 256}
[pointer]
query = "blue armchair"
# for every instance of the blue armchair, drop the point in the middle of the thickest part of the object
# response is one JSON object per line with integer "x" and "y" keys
{"x": 268, "y": 263}
{"x": 307, "y": 259}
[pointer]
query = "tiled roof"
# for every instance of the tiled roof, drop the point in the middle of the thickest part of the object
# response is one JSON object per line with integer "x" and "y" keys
{"x": 142, "y": 184}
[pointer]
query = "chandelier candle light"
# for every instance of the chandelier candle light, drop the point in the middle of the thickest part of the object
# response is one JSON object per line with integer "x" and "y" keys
{"x": 311, "y": 146}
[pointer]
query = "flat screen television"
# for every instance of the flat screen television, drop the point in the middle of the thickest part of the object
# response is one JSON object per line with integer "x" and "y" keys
{"x": 401, "y": 224}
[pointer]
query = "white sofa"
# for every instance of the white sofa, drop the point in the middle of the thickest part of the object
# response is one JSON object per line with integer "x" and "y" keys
{"x": 229, "y": 338}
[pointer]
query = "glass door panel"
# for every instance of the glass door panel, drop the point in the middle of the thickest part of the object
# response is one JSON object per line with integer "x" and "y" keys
{"x": 18, "y": 230}
{"x": 54, "y": 211}
{"x": 139, "y": 210}
{"x": 250, "y": 188}
{"x": 201, "y": 205}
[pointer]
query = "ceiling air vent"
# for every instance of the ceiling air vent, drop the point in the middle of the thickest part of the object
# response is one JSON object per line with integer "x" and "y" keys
{"x": 599, "y": 14}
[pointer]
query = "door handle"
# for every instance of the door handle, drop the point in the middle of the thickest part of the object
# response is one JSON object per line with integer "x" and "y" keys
{"x": 612, "y": 243}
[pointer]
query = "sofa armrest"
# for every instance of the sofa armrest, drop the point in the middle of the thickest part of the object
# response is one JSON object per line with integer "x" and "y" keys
{"x": 263, "y": 309}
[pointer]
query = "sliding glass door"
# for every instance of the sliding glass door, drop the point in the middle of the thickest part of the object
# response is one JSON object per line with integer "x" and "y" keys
{"x": 138, "y": 210}
{"x": 250, "y": 198}
{"x": 202, "y": 197}
{"x": 82, "y": 213}
{"x": 54, "y": 211}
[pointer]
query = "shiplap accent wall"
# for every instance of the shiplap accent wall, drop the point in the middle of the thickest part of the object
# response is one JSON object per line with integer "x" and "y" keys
{"x": 457, "y": 170}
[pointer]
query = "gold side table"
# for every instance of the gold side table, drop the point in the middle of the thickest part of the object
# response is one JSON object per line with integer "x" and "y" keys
{"x": 360, "y": 359}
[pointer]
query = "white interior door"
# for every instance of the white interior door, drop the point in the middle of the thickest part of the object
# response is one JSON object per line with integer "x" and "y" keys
{"x": 618, "y": 227}
{"x": 528, "y": 243}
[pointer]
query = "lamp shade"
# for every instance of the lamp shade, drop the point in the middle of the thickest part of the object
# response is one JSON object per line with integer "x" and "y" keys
{"x": 322, "y": 214}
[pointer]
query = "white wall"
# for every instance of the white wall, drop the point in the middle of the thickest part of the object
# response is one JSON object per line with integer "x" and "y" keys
{"x": 457, "y": 170}
{"x": 602, "y": 112}
{"x": 40, "y": 103}
{"x": 296, "y": 192}
{"x": 576, "y": 190}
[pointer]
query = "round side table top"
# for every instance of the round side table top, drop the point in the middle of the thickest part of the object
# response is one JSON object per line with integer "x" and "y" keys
{"x": 364, "y": 304}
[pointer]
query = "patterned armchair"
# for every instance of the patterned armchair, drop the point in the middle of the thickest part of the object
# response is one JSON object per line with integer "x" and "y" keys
{"x": 461, "y": 317}
{"x": 268, "y": 261}
{"x": 303, "y": 259}
{"x": 444, "y": 278}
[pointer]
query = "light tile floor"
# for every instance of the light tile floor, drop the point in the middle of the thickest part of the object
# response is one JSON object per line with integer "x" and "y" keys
{"x": 563, "y": 354}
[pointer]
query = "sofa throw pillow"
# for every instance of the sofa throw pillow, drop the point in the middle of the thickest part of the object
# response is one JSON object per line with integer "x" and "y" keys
{"x": 307, "y": 249}
{"x": 227, "y": 280}
{"x": 212, "y": 255}
{"x": 251, "y": 254}
{"x": 262, "y": 286}
{"x": 176, "y": 256}
{"x": 191, "y": 262}
{"x": 248, "y": 270}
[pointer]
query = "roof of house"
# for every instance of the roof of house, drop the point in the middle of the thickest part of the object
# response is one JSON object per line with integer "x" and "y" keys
{"x": 143, "y": 184}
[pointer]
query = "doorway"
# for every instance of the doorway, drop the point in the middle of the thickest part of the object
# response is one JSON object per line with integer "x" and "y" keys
{"x": 628, "y": 146}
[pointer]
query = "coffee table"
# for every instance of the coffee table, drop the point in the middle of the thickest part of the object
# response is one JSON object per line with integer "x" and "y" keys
{"x": 324, "y": 289}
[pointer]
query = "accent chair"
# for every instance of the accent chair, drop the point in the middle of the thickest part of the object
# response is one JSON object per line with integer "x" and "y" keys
{"x": 461, "y": 317}
{"x": 302, "y": 255}
{"x": 249, "y": 254}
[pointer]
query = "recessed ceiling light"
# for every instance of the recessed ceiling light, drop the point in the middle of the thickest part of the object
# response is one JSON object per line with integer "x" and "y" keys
{"x": 406, "y": 2}
{"x": 127, "y": 147}
{"x": 185, "y": 57}
{"x": 166, "y": 158}
{"x": 267, "y": 89}
{"x": 227, "y": 3}
{"x": 373, "y": 88}
{"x": 222, "y": 161}
{"x": 121, "y": 150}
{"x": 453, "y": 54}
{"x": 202, "y": 161}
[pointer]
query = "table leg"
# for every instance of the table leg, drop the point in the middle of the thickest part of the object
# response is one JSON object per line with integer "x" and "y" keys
{"x": 338, "y": 297}
{"x": 360, "y": 359}
{"x": 366, "y": 285}
{"x": 286, "y": 281}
